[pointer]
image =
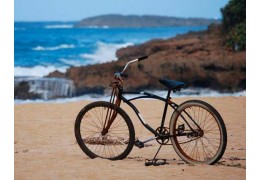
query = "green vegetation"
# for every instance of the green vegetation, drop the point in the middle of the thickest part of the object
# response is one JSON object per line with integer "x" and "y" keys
{"x": 234, "y": 24}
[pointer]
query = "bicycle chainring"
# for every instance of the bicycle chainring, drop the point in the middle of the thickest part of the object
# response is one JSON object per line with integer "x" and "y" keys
{"x": 165, "y": 131}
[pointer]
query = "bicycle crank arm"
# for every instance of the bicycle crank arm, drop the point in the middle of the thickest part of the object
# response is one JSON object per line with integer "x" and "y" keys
{"x": 149, "y": 139}
{"x": 140, "y": 144}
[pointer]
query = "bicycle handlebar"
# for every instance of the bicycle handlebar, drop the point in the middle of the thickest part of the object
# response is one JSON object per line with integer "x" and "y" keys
{"x": 122, "y": 74}
{"x": 138, "y": 59}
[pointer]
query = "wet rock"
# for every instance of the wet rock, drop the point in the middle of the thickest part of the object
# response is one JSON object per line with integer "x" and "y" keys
{"x": 22, "y": 91}
{"x": 42, "y": 88}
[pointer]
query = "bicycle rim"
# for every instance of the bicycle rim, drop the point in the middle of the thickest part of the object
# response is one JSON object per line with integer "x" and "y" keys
{"x": 208, "y": 143}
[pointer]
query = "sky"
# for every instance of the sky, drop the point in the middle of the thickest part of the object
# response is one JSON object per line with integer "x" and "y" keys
{"x": 74, "y": 10}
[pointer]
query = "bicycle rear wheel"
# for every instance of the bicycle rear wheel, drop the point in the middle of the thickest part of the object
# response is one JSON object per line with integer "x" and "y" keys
{"x": 116, "y": 143}
{"x": 198, "y": 133}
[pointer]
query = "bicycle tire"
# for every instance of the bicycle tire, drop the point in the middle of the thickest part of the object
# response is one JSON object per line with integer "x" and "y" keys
{"x": 93, "y": 147}
{"x": 178, "y": 127}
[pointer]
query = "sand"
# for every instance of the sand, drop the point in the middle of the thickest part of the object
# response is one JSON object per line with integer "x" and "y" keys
{"x": 45, "y": 146}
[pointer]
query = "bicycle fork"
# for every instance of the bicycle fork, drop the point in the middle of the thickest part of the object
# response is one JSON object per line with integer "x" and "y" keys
{"x": 111, "y": 112}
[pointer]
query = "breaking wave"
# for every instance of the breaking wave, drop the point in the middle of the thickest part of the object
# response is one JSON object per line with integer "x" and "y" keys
{"x": 105, "y": 52}
{"x": 59, "y": 26}
{"x": 54, "y": 48}
{"x": 37, "y": 71}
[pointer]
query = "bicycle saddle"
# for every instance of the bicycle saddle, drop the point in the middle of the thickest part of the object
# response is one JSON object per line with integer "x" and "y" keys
{"x": 174, "y": 85}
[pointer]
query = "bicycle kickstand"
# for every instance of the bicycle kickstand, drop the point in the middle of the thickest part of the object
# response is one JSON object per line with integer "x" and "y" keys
{"x": 154, "y": 161}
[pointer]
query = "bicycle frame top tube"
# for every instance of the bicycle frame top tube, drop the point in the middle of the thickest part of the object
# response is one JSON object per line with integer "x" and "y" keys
{"x": 152, "y": 96}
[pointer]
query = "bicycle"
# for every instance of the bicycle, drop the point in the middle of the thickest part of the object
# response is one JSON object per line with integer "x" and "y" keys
{"x": 196, "y": 131}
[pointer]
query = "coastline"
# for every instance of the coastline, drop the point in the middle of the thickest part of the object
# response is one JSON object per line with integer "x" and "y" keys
{"x": 185, "y": 93}
{"x": 45, "y": 146}
{"x": 197, "y": 58}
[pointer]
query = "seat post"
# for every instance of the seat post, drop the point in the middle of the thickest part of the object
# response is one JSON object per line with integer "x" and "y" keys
{"x": 165, "y": 109}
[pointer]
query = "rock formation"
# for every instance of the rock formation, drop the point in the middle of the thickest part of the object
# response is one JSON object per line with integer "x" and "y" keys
{"x": 198, "y": 58}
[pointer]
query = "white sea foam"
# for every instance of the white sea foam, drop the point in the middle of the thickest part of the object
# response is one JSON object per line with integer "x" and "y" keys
{"x": 94, "y": 26}
{"x": 54, "y": 48}
{"x": 92, "y": 97}
{"x": 97, "y": 27}
{"x": 191, "y": 93}
{"x": 72, "y": 62}
{"x": 59, "y": 26}
{"x": 105, "y": 52}
{"x": 198, "y": 92}
{"x": 37, "y": 71}
{"x": 105, "y": 26}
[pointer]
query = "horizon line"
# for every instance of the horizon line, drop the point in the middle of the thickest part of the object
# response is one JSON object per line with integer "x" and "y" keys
{"x": 213, "y": 18}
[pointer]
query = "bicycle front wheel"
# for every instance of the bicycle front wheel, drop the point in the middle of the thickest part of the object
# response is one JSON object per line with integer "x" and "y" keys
{"x": 116, "y": 143}
{"x": 198, "y": 133}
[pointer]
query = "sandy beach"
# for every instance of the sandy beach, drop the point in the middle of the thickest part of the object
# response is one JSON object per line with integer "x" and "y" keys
{"x": 45, "y": 146}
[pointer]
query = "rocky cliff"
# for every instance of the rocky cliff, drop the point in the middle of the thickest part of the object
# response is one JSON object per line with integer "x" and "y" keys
{"x": 198, "y": 58}
{"x": 115, "y": 20}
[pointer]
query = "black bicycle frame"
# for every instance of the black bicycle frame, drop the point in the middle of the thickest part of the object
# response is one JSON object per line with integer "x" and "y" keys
{"x": 151, "y": 96}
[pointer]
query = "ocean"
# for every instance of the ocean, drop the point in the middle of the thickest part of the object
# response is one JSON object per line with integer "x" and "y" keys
{"x": 43, "y": 47}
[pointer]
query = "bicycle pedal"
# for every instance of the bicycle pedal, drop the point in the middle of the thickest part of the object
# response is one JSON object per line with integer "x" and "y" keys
{"x": 139, "y": 144}
{"x": 155, "y": 162}
{"x": 148, "y": 162}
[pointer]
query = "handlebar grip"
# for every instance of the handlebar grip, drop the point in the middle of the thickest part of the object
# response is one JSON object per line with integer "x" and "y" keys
{"x": 142, "y": 58}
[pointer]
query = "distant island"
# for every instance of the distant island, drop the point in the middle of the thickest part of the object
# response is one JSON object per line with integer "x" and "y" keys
{"x": 134, "y": 21}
